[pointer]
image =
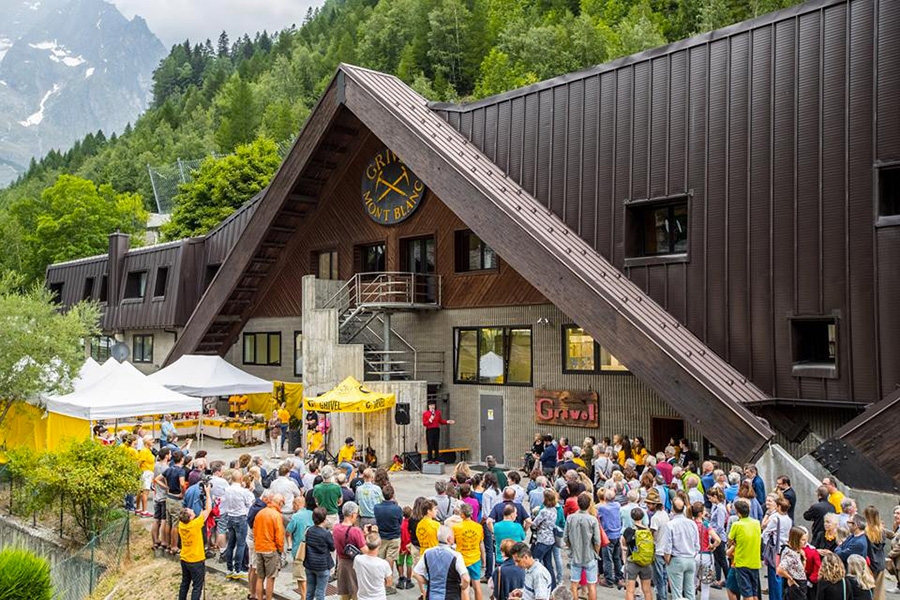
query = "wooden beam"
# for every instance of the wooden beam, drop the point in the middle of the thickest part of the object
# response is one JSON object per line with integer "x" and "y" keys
{"x": 302, "y": 199}
{"x": 344, "y": 130}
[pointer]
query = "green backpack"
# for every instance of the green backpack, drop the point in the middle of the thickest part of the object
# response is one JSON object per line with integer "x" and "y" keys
{"x": 644, "y": 548}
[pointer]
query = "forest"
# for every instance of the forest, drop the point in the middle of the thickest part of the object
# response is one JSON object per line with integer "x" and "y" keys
{"x": 236, "y": 102}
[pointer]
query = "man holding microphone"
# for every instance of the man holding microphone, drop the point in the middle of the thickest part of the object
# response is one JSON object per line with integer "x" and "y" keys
{"x": 432, "y": 420}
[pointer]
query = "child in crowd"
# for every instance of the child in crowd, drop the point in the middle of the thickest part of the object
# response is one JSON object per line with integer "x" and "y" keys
{"x": 404, "y": 559}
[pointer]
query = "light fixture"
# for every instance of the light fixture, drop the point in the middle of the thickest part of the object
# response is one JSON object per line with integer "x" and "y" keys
{"x": 543, "y": 321}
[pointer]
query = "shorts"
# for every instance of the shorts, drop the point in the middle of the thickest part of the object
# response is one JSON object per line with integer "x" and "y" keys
{"x": 299, "y": 571}
{"x": 173, "y": 511}
{"x": 346, "y": 578}
{"x": 404, "y": 559}
{"x": 474, "y": 571}
{"x": 268, "y": 564}
{"x": 159, "y": 510}
{"x": 743, "y": 582}
{"x": 330, "y": 521}
{"x": 389, "y": 550}
{"x": 590, "y": 571}
{"x": 635, "y": 571}
{"x": 146, "y": 480}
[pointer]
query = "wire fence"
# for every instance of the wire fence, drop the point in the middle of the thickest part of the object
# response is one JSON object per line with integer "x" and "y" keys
{"x": 76, "y": 566}
{"x": 167, "y": 179}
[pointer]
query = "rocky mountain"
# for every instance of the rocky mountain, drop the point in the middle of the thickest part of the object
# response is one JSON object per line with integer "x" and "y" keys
{"x": 67, "y": 68}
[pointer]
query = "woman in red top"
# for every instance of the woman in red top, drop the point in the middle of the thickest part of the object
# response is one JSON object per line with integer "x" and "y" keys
{"x": 709, "y": 539}
{"x": 812, "y": 564}
{"x": 432, "y": 420}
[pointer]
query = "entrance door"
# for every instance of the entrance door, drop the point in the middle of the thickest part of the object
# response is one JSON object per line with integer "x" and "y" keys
{"x": 492, "y": 426}
{"x": 662, "y": 429}
{"x": 418, "y": 255}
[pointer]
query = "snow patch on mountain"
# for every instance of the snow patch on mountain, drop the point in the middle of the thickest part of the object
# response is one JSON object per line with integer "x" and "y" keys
{"x": 59, "y": 53}
{"x": 5, "y": 45}
{"x": 37, "y": 117}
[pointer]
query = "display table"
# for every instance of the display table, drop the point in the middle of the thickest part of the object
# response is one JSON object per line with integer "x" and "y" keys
{"x": 224, "y": 428}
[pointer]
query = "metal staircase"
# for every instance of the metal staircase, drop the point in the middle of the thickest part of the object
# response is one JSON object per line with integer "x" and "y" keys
{"x": 364, "y": 305}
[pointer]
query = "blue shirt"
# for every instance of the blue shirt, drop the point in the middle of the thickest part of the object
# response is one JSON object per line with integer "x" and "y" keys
{"x": 192, "y": 499}
{"x": 297, "y": 526}
{"x": 731, "y": 493}
{"x": 497, "y": 512}
{"x": 507, "y": 530}
{"x": 610, "y": 515}
{"x": 388, "y": 518}
{"x": 367, "y": 496}
{"x": 855, "y": 544}
{"x": 167, "y": 430}
{"x": 511, "y": 577}
{"x": 548, "y": 457}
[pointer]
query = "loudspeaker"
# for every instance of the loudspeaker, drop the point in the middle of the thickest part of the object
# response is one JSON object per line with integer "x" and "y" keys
{"x": 412, "y": 461}
{"x": 401, "y": 413}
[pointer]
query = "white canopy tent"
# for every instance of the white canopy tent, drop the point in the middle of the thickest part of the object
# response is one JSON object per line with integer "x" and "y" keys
{"x": 118, "y": 391}
{"x": 203, "y": 376}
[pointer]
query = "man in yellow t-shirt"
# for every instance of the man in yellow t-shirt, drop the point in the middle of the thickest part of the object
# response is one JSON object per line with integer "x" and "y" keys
{"x": 285, "y": 417}
{"x": 345, "y": 457}
{"x": 146, "y": 461}
{"x": 835, "y": 496}
{"x": 469, "y": 537}
{"x": 315, "y": 443}
{"x": 193, "y": 549}
{"x": 427, "y": 529}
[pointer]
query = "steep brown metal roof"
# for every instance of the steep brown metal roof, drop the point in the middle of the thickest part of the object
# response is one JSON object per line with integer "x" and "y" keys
{"x": 657, "y": 348}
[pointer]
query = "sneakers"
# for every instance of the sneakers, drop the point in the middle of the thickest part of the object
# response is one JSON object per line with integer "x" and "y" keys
{"x": 390, "y": 590}
{"x": 240, "y": 576}
{"x": 230, "y": 575}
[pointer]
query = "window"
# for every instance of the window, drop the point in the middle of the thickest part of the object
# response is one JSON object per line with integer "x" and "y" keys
{"x": 814, "y": 341}
{"x": 581, "y": 354}
{"x": 472, "y": 254}
{"x": 142, "y": 349}
{"x": 135, "y": 284}
{"x": 298, "y": 354}
{"x": 100, "y": 347}
{"x": 210, "y": 274}
{"x": 657, "y": 228}
{"x": 889, "y": 191}
{"x": 104, "y": 288}
{"x": 88, "y": 292}
{"x": 327, "y": 264}
{"x": 493, "y": 355}
{"x": 162, "y": 281}
{"x": 371, "y": 258}
{"x": 56, "y": 291}
{"x": 418, "y": 255}
{"x": 262, "y": 349}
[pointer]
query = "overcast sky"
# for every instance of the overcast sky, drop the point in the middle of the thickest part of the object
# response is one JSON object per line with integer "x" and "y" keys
{"x": 175, "y": 20}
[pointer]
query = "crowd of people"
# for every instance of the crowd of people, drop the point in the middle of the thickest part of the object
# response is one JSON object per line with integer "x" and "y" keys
{"x": 665, "y": 524}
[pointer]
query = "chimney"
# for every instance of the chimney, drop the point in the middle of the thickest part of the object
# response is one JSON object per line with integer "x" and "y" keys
{"x": 118, "y": 247}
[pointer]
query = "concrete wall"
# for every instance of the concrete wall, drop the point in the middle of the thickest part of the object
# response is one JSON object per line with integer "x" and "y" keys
{"x": 326, "y": 363}
{"x": 163, "y": 342}
{"x": 806, "y": 475}
{"x": 67, "y": 574}
{"x": 286, "y": 326}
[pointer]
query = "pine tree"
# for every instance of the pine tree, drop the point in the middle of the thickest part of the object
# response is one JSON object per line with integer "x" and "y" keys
{"x": 223, "y": 47}
{"x": 239, "y": 118}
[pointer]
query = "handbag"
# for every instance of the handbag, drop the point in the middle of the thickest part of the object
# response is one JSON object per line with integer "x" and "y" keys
{"x": 301, "y": 552}
{"x": 707, "y": 572}
{"x": 351, "y": 551}
{"x": 770, "y": 554}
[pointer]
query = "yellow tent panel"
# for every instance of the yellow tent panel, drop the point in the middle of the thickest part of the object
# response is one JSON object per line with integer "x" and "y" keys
{"x": 266, "y": 402}
{"x": 350, "y": 396}
{"x": 63, "y": 427}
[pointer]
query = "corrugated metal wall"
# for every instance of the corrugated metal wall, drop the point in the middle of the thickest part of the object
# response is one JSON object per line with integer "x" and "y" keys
{"x": 770, "y": 125}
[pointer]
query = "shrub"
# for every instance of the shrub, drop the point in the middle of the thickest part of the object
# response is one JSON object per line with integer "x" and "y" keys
{"x": 24, "y": 575}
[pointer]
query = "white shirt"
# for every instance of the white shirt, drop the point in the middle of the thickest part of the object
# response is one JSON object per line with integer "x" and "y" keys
{"x": 659, "y": 522}
{"x": 287, "y": 487}
{"x": 458, "y": 563}
{"x": 520, "y": 493}
{"x": 237, "y": 501}
{"x": 371, "y": 572}
{"x": 489, "y": 499}
{"x": 308, "y": 479}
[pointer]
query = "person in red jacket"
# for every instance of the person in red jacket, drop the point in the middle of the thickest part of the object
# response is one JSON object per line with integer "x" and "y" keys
{"x": 432, "y": 420}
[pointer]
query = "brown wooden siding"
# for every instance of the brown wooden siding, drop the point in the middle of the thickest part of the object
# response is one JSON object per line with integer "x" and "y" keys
{"x": 150, "y": 312}
{"x": 770, "y": 125}
{"x": 73, "y": 275}
{"x": 341, "y": 222}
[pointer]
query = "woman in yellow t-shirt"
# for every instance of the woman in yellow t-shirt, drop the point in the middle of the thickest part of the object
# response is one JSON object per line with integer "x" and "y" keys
{"x": 147, "y": 461}
{"x": 638, "y": 451}
{"x": 315, "y": 443}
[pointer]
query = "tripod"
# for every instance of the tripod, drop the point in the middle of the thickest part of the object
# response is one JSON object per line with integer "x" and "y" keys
{"x": 415, "y": 464}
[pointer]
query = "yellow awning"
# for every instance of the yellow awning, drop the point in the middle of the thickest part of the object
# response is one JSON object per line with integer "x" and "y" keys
{"x": 350, "y": 396}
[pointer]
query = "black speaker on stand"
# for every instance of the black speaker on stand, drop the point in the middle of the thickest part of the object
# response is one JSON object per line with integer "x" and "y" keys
{"x": 412, "y": 461}
{"x": 401, "y": 413}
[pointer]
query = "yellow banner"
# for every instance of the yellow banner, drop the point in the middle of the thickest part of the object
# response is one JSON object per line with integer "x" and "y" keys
{"x": 350, "y": 396}
{"x": 282, "y": 391}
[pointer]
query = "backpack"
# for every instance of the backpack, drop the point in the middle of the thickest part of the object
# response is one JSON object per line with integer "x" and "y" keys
{"x": 271, "y": 475}
{"x": 644, "y": 548}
